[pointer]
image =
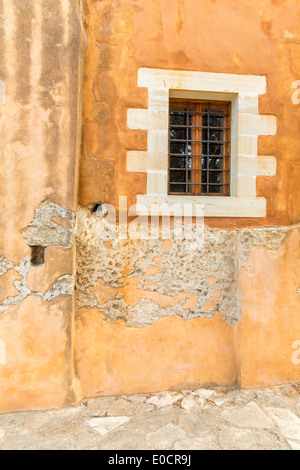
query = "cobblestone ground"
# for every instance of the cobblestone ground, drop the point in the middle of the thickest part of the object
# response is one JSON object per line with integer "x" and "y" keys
{"x": 220, "y": 418}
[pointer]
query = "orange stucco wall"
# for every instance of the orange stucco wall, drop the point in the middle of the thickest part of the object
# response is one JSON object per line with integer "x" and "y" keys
{"x": 229, "y": 36}
{"x": 271, "y": 309}
{"x": 168, "y": 355}
{"x": 40, "y": 132}
{"x": 172, "y": 353}
{"x": 56, "y": 351}
{"x": 254, "y": 37}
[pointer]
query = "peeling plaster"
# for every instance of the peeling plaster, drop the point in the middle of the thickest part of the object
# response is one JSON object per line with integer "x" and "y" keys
{"x": 142, "y": 281}
{"x": 45, "y": 231}
{"x": 5, "y": 265}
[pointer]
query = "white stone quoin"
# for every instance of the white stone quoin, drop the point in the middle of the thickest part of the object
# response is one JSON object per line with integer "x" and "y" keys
{"x": 246, "y": 125}
{"x": 2, "y": 92}
{"x": 2, "y": 353}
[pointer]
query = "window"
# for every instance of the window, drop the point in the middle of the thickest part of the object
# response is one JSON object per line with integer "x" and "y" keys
{"x": 199, "y": 148}
{"x": 225, "y": 186}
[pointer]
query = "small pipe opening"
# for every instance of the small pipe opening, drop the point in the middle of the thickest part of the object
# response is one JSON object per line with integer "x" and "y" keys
{"x": 37, "y": 255}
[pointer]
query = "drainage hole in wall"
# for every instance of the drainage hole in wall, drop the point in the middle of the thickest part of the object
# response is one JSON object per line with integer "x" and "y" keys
{"x": 37, "y": 255}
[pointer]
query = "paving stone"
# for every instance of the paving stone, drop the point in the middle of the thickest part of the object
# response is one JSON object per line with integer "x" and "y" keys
{"x": 219, "y": 401}
{"x": 137, "y": 398}
{"x": 277, "y": 401}
{"x": 121, "y": 407}
{"x": 164, "y": 399}
{"x": 165, "y": 438}
{"x": 194, "y": 424}
{"x": 124, "y": 440}
{"x": 105, "y": 425}
{"x": 294, "y": 445}
{"x": 231, "y": 438}
{"x": 249, "y": 416}
{"x": 87, "y": 438}
{"x": 270, "y": 440}
{"x": 287, "y": 421}
{"x": 151, "y": 422}
{"x": 244, "y": 419}
{"x": 248, "y": 395}
{"x": 203, "y": 393}
{"x": 292, "y": 390}
{"x": 16, "y": 441}
{"x": 2, "y": 434}
{"x": 283, "y": 416}
{"x": 191, "y": 402}
{"x": 97, "y": 406}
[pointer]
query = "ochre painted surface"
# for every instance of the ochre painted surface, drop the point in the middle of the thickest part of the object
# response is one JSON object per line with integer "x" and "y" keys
{"x": 37, "y": 342}
{"x": 40, "y": 124}
{"x": 132, "y": 294}
{"x": 58, "y": 262}
{"x": 257, "y": 37}
{"x": 271, "y": 312}
{"x": 41, "y": 70}
{"x": 7, "y": 286}
{"x": 40, "y": 120}
{"x": 172, "y": 353}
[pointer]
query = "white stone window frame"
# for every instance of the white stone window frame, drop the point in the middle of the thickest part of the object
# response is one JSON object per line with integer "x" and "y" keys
{"x": 246, "y": 125}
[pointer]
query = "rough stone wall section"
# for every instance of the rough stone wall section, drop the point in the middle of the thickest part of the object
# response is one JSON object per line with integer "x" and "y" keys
{"x": 40, "y": 121}
{"x": 45, "y": 231}
{"x": 142, "y": 281}
{"x": 41, "y": 81}
{"x": 40, "y": 126}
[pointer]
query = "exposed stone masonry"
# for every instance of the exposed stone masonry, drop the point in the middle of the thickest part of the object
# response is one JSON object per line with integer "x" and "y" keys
{"x": 141, "y": 281}
{"x": 52, "y": 226}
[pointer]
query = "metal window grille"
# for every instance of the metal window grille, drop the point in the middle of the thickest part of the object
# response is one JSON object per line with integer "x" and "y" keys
{"x": 199, "y": 148}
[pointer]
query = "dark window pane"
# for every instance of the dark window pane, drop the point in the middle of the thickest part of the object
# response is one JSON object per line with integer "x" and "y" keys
{"x": 215, "y": 189}
{"x": 215, "y": 163}
{"x": 177, "y": 176}
{"x": 177, "y": 118}
{"x": 178, "y": 133}
{"x": 178, "y": 148}
{"x": 216, "y": 121}
{"x": 215, "y": 177}
{"x": 215, "y": 149}
{"x": 216, "y": 135}
{"x": 177, "y": 162}
{"x": 177, "y": 188}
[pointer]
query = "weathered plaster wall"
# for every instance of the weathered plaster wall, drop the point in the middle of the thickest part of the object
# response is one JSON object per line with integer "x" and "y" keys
{"x": 172, "y": 353}
{"x": 154, "y": 315}
{"x": 40, "y": 127}
{"x": 236, "y": 37}
{"x": 151, "y": 315}
{"x": 141, "y": 281}
{"x": 269, "y": 288}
